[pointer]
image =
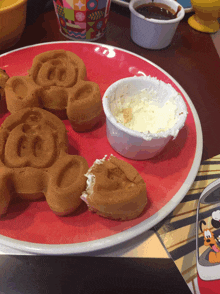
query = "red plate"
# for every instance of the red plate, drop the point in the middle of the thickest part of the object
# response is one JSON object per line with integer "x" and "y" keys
{"x": 168, "y": 176}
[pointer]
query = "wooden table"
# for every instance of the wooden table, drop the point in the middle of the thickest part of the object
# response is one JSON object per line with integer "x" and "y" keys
{"x": 191, "y": 59}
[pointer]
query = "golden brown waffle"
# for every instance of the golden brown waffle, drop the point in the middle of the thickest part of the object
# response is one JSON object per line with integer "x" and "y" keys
{"x": 56, "y": 82}
{"x": 34, "y": 162}
{"x": 115, "y": 189}
{"x": 3, "y": 79}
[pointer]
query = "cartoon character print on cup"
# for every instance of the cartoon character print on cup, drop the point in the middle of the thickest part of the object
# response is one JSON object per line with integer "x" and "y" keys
{"x": 51, "y": 83}
{"x": 34, "y": 162}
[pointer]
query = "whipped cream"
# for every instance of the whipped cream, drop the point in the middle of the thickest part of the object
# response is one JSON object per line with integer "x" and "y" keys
{"x": 143, "y": 113}
{"x": 90, "y": 182}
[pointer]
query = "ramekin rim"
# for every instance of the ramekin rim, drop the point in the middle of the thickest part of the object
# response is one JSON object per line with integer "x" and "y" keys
{"x": 158, "y": 21}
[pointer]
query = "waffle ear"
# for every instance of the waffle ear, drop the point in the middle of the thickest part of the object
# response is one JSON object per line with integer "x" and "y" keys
{"x": 66, "y": 183}
{"x": 21, "y": 92}
{"x": 84, "y": 106}
{"x": 3, "y": 79}
{"x": 5, "y": 186}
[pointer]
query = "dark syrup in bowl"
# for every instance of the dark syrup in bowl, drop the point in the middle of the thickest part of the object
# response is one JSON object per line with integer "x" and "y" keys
{"x": 157, "y": 11}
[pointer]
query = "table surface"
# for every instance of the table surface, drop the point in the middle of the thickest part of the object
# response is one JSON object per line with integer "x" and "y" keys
{"x": 192, "y": 60}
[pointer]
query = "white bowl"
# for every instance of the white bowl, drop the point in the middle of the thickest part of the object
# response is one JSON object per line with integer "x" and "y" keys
{"x": 141, "y": 145}
{"x": 153, "y": 33}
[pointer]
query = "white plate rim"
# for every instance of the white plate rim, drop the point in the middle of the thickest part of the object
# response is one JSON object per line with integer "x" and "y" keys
{"x": 107, "y": 242}
{"x": 126, "y": 4}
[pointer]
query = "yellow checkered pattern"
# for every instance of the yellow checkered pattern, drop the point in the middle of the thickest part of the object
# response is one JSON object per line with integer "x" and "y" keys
{"x": 60, "y": 10}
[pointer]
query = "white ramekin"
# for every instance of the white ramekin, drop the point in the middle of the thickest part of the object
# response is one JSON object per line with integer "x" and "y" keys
{"x": 153, "y": 33}
{"x": 133, "y": 144}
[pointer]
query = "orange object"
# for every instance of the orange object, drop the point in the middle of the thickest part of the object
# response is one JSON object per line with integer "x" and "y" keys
{"x": 206, "y": 15}
{"x": 12, "y": 22}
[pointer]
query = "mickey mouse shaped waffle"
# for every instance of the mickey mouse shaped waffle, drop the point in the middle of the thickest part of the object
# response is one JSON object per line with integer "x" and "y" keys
{"x": 33, "y": 162}
{"x": 56, "y": 83}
